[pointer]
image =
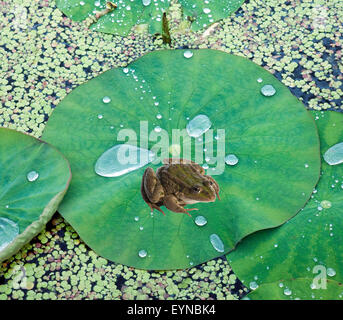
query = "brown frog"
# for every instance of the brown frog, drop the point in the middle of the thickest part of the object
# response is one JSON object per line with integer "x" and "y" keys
{"x": 177, "y": 183}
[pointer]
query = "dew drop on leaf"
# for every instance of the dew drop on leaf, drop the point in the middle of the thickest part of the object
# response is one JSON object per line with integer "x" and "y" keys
{"x": 231, "y": 160}
{"x": 32, "y": 176}
{"x": 253, "y": 285}
{"x": 8, "y": 232}
{"x": 188, "y": 54}
{"x": 330, "y": 272}
{"x": 198, "y": 125}
{"x": 200, "y": 221}
{"x": 216, "y": 242}
{"x": 287, "y": 292}
{"x": 106, "y": 99}
{"x": 268, "y": 90}
{"x": 122, "y": 159}
{"x": 142, "y": 253}
{"x": 334, "y": 155}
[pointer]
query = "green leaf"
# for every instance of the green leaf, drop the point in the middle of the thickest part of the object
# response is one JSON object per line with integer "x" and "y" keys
{"x": 26, "y": 206}
{"x": 204, "y": 14}
{"x": 274, "y": 138}
{"x": 312, "y": 238}
{"x": 130, "y": 13}
{"x": 297, "y": 289}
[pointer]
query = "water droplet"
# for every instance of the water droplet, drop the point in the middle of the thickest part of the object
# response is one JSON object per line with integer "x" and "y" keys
{"x": 205, "y": 166}
{"x": 100, "y": 116}
{"x": 200, "y": 221}
{"x": 253, "y": 285}
{"x": 146, "y": 2}
{"x": 122, "y": 159}
{"x": 141, "y": 228}
{"x": 259, "y": 80}
{"x": 142, "y": 253}
{"x": 106, "y": 99}
{"x": 82, "y": 3}
{"x": 330, "y": 272}
{"x": 231, "y": 159}
{"x": 157, "y": 129}
{"x": 287, "y": 292}
{"x": 188, "y": 54}
{"x": 32, "y": 176}
{"x": 206, "y": 10}
{"x": 126, "y": 70}
{"x": 326, "y": 204}
{"x": 268, "y": 90}
{"x": 9, "y": 230}
{"x": 136, "y": 218}
{"x": 334, "y": 155}
{"x": 159, "y": 116}
{"x": 280, "y": 284}
{"x": 198, "y": 126}
{"x": 216, "y": 242}
{"x": 306, "y": 165}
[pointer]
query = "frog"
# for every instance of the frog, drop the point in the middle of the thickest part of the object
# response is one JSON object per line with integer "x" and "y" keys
{"x": 177, "y": 183}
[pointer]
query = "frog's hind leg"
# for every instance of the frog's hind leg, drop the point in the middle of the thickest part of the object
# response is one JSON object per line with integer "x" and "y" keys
{"x": 172, "y": 203}
{"x": 151, "y": 186}
{"x": 151, "y": 189}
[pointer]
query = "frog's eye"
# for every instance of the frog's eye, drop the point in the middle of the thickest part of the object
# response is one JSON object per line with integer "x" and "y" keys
{"x": 196, "y": 189}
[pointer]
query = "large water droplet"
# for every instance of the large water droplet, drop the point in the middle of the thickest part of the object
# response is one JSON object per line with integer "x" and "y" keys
{"x": 200, "y": 221}
{"x": 206, "y": 10}
{"x": 231, "y": 160}
{"x": 334, "y": 155}
{"x": 330, "y": 272}
{"x": 188, "y": 54}
{"x": 253, "y": 285}
{"x": 9, "y": 230}
{"x": 216, "y": 242}
{"x": 268, "y": 90}
{"x": 198, "y": 125}
{"x": 32, "y": 176}
{"x": 142, "y": 253}
{"x": 122, "y": 159}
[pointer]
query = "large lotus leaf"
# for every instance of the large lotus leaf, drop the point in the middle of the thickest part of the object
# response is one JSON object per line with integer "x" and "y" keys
{"x": 295, "y": 260}
{"x": 274, "y": 138}
{"x": 130, "y": 13}
{"x": 34, "y": 178}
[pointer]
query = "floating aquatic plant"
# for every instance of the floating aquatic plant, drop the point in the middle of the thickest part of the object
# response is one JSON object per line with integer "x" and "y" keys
{"x": 34, "y": 179}
{"x": 304, "y": 254}
{"x": 120, "y": 17}
{"x": 273, "y": 137}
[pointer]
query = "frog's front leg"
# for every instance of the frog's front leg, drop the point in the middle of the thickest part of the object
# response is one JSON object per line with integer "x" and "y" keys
{"x": 151, "y": 189}
{"x": 173, "y": 204}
